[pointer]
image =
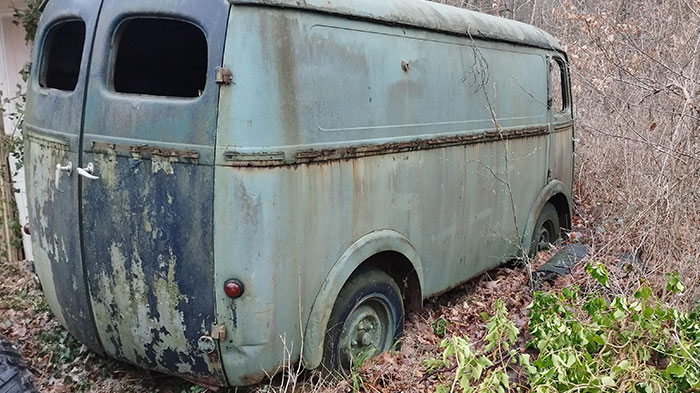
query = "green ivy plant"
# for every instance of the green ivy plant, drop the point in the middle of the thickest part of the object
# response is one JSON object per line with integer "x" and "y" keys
{"x": 484, "y": 371}
{"x": 587, "y": 344}
{"x": 28, "y": 17}
{"x": 636, "y": 344}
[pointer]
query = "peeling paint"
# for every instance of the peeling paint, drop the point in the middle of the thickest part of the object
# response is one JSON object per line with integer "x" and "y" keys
{"x": 148, "y": 284}
{"x": 146, "y": 221}
{"x": 164, "y": 164}
{"x": 54, "y": 222}
{"x": 106, "y": 164}
{"x": 138, "y": 329}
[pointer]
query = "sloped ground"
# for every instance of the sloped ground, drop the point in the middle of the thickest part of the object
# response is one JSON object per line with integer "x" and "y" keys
{"x": 59, "y": 364}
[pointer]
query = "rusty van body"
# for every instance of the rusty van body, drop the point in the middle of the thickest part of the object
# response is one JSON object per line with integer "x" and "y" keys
{"x": 206, "y": 177}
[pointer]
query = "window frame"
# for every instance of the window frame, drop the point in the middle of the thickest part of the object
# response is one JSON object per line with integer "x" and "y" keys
{"x": 115, "y": 41}
{"x": 563, "y": 64}
{"x": 44, "y": 55}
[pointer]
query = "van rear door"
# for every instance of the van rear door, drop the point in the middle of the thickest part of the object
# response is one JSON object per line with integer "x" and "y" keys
{"x": 147, "y": 182}
{"x": 56, "y": 92}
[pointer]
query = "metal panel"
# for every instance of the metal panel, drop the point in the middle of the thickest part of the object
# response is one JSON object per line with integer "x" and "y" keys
{"x": 288, "y": 74}
{"x": 52, "y": 137}
{"x": 283, "y": 225}
{"x": 562, "y": 128}
{"x": 562, "y": 165}
{"x": 147, "y": 222}
{"x": 427, "y": 15}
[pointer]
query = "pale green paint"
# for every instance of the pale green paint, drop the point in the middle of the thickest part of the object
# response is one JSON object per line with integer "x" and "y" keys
{"x": 292, "y": 233}
{"x": 424, "y": 15}
{"x": 315, "y": 75}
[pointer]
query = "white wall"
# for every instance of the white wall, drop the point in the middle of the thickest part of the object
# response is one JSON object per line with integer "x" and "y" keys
{"x": 14, "y": 53}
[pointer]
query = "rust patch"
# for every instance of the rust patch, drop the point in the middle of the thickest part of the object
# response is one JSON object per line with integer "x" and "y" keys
{"x": 148, "y": 152}
{"x": 268, "y": 159}
{"x": 49, "y": 142}
{"x": 262, "y": 156}
{"x": 224, "y": 75}
{"x": 563, "y": 127}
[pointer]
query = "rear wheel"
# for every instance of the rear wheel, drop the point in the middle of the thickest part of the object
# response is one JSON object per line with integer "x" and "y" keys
{"x": 366, "y": 319}
{"x": 547, "y": 230}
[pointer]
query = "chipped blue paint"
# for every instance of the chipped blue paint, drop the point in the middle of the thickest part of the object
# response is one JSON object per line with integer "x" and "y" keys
{"x": 145, "y": 226}
{"x": 52, "y": 136}
{"x": 147, "y": 223}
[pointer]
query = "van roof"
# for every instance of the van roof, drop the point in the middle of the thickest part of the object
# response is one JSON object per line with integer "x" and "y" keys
{"x": 426, "y": 15}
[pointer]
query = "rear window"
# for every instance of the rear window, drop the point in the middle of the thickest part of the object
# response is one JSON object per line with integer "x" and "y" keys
{"x": 160, "y": 57}
{"x": 61, "y": 55}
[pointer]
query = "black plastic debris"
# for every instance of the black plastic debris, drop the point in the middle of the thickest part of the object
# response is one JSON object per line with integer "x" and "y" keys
{"x": 14, "y": 375}
{"x": 561, "y": 263}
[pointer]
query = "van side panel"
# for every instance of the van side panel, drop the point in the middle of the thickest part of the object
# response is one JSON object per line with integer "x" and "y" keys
{"x": 311, "y": 84}
{"x": 562, "y": 150}
{"x": 307, "y": 82}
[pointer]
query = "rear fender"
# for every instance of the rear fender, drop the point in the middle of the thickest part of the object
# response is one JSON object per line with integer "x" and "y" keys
{"x": 553, "y": 188}
{"x": 367, "y": 246}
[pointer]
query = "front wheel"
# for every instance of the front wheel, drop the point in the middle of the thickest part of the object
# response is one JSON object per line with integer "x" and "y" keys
{"x": 547, "y": 230}
{"x": 366, "y": 319}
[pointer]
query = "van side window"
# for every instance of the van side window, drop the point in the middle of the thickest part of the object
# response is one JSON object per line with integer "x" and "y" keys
{"x": 557, "y": 85}
{"x": 61, "y": 56}
{"x": 161, "y": 57}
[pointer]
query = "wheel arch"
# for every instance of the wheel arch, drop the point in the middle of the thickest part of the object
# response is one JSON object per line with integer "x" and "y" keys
{"x": 386, "y": 250}
{"x": 560, "y": 196}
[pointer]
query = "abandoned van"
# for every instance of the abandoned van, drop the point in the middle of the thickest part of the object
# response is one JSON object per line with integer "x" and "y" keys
{"x": 217, "y": 186}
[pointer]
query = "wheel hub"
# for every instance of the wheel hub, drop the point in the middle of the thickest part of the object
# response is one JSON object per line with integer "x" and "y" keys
{"x": 543, "y": 242}
{"x": 366, "y": 332}
{"x": 545, "y": 236}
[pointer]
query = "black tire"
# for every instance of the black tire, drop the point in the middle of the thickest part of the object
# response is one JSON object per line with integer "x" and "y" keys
{"x": 14, "y": 376}
{"x": 547, "y": 230}
{"x": 367, "y": 318}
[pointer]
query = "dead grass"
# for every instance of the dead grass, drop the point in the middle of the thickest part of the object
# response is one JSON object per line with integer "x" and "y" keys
{"x": 636, "y": 72}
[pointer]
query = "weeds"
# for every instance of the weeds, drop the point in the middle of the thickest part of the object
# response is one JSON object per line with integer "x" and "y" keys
{"x": 627, "y": 344}
{"x": 439, "y": 327}
{"x": 355, "y": 376}
{"x": 582, "y": 343}
{"x": 483, "y": 371}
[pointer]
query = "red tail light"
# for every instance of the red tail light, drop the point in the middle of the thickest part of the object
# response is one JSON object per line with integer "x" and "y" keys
{"x": 233, "y": 288}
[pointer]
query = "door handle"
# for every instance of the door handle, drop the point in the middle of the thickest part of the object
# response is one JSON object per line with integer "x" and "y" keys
{"x": 68, "y": 168}
{"x": 87, "y": 172}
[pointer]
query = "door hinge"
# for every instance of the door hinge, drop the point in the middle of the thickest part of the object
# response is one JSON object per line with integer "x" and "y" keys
{"x": 224, "y": 76}
{"x": 218, "y": 332}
